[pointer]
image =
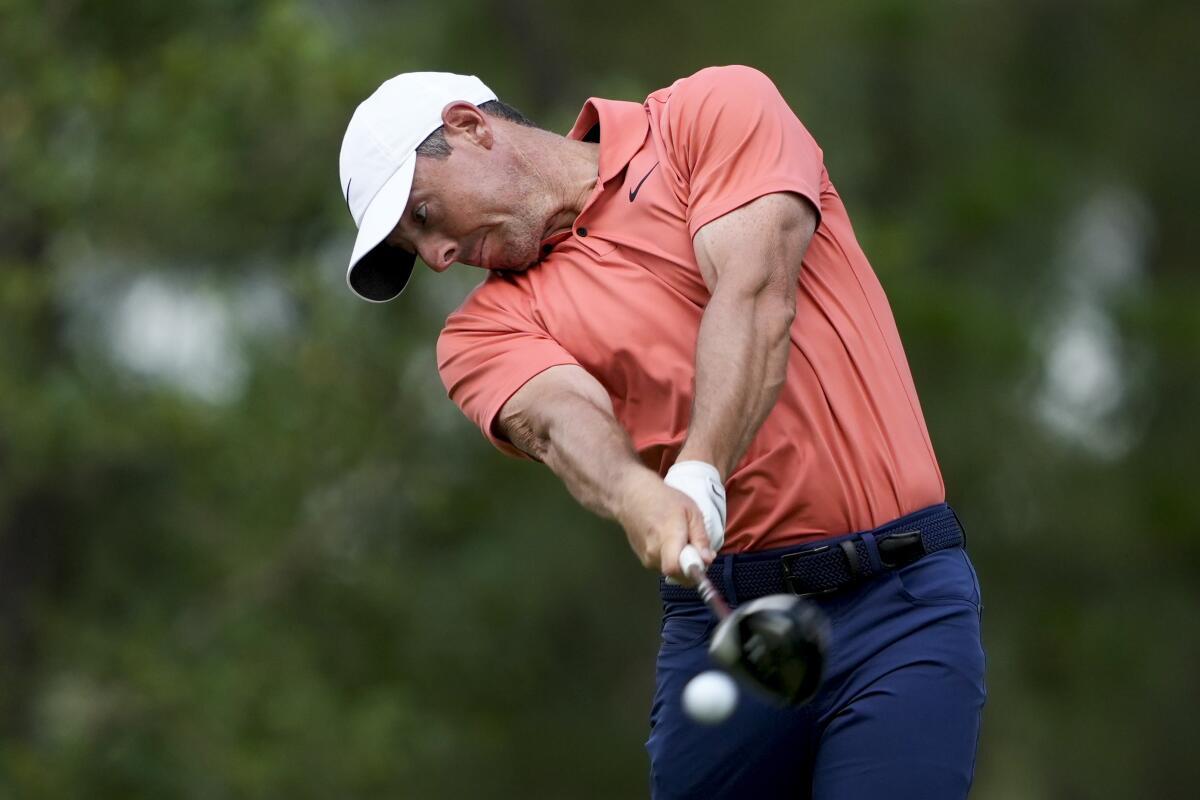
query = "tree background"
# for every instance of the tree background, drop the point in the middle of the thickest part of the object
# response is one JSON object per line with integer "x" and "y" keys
{"x": 248, "y": 548}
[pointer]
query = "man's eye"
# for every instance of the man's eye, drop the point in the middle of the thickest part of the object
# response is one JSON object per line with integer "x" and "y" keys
{"x": 421, "y": 213}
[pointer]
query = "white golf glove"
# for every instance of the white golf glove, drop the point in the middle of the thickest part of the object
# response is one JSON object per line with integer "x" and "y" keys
{"x": 702, "y": 483}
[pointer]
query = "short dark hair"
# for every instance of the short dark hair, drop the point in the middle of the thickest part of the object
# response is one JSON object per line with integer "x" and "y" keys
{"x": 436, "y": 146}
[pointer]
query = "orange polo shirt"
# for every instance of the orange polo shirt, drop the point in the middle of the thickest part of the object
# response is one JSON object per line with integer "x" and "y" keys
{"x": 845, "y": 447}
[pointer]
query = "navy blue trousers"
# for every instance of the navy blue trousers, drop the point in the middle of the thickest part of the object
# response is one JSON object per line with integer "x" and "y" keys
{"x": 897, "y": 715}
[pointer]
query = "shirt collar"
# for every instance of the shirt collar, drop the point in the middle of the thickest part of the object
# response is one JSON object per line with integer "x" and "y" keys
{"x": 623, "y": 127}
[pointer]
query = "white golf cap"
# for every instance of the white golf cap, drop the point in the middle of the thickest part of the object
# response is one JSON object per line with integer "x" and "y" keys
{"x": 377, "y": 162}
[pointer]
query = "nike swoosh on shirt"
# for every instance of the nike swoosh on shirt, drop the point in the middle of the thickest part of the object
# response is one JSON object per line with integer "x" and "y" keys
{"x": 633, "y": 192}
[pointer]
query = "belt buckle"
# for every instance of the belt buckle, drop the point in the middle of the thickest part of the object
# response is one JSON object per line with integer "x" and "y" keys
{"x": 790, "y": 580}
{"x": 900, "y": 549}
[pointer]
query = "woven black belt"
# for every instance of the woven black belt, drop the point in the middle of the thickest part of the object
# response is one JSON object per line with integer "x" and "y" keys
{"x": 830, "y": 564}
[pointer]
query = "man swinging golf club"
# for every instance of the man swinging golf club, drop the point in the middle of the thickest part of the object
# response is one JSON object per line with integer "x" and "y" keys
{"x": 679, "y": 322}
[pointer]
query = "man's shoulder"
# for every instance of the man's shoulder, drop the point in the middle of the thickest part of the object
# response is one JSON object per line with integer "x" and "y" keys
{"x": 735, "y": 77}
{"x": 501, "y": 299}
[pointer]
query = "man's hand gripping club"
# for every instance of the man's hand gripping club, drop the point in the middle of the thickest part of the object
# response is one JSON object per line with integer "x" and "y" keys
{"x": 661, "y": 516}
{"x": 702, "y": 483}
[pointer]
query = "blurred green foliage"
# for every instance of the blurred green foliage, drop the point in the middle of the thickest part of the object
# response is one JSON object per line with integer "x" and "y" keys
{"x": 248, "y": 548}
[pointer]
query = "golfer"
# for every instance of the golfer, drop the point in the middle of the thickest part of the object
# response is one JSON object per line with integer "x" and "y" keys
{"x": 678, "y": 321}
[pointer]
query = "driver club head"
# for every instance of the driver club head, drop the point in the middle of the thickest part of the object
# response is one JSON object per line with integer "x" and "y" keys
{"x": 775, "y": 643}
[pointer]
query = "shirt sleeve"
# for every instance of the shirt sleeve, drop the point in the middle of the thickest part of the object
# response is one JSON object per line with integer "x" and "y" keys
{"x": 734, "y": 139}
{"x": 485, "y": 353}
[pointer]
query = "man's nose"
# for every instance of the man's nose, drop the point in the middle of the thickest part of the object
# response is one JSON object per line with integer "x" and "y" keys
{"x": 440, "y": 254}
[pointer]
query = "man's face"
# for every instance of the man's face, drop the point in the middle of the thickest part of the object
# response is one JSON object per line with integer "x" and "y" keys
{"x": 476, "y": 206}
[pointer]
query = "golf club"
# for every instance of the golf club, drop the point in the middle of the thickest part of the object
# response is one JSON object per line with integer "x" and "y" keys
{"x": 775, "y": 643}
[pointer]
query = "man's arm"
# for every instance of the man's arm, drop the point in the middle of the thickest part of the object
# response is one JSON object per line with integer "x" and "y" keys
{"x": 750, "y": 260}
{"x": 564, "y": 418}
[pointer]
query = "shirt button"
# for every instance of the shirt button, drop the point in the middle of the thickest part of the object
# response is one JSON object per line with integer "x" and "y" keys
{"x": 581, "y": 231}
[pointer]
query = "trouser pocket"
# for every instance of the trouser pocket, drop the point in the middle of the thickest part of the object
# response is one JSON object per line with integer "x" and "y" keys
{"x": 946, "y": 576}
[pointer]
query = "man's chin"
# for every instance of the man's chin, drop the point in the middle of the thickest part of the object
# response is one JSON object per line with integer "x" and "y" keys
{"x": 516, "y": 268}
{"x": 507, "y": 257}
{"x": 516, "y": 265}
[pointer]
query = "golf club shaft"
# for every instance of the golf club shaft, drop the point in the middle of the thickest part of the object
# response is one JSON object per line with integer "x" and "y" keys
{"x": 693, "y": 567}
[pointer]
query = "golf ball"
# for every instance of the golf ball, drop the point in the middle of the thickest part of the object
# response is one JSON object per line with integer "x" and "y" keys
{"x": 710, "y": 697}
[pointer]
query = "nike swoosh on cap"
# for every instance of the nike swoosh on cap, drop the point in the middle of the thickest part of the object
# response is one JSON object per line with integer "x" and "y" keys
{"x": 633, "y": 192}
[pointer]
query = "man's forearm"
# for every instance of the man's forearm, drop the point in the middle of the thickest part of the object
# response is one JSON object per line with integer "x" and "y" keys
{"x": 750, "y": 259}
{"x": 564, "y": 418}
{"x": 741, "y": 364}
{"x": 590, "y": 452}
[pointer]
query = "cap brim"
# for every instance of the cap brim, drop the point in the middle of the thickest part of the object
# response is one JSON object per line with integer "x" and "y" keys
{"x": 379, "y": 272}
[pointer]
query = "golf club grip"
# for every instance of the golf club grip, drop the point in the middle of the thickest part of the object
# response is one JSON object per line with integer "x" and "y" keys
{"x": 691, "y": 563}
{"x": 692, "y": 566}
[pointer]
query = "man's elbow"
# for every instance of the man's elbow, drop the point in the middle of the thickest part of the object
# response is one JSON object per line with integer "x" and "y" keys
{"x": 785, "y": 313}
{"x": 776, "y": 311}
{"x": 767, "y": 303}
{"x": 776, "y": 326}
{"x": 527, "y": 437}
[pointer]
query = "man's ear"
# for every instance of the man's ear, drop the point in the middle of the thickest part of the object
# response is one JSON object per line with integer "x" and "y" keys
{"x": 464, "y": 122}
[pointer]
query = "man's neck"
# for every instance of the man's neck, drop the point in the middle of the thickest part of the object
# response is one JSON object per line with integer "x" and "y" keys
{"x": 567, "y": 168}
